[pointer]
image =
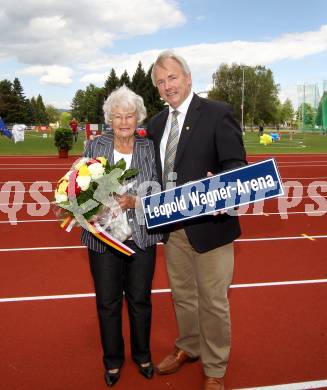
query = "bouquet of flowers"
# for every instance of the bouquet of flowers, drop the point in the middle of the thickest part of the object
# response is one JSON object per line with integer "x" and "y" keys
{"x": 86, "y": 195}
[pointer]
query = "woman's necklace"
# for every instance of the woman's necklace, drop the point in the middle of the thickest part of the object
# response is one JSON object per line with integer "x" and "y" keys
{"x": 125, "y": 147}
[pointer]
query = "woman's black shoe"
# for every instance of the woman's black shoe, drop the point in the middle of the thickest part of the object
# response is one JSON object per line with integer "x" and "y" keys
{"x": 111, "y": 377}
{"x": 146, "y": 371}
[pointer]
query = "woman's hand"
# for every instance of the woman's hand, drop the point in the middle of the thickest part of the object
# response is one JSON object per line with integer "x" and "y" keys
{"x": 126, "y": 201}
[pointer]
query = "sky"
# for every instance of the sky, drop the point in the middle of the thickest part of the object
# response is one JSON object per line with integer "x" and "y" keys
{"x": 56, "y": 47}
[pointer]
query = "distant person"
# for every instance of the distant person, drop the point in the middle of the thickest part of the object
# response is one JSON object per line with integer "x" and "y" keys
{"x": 261, "y": 130}
{"x": 74, "y": 126}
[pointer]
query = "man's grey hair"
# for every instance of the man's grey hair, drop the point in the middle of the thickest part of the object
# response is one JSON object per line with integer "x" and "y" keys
{"x": 164, "y": 55}
{"x": 125, "y": 99}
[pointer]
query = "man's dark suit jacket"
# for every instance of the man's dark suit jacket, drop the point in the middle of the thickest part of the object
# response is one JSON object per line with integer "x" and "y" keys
{"x": 210, "y": 141}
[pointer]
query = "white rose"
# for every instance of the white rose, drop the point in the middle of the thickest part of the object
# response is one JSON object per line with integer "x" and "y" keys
{"x": 60, "y": 197}
{"x": 83, "y": 182}
{"x": 80, "y": 162}
{"x": 96, "y": 170}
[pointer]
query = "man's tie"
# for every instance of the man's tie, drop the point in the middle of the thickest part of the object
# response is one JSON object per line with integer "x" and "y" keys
{"x": 171, "y": 148}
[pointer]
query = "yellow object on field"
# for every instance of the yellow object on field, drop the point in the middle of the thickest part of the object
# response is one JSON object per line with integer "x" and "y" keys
{"x": 265, "y": 139}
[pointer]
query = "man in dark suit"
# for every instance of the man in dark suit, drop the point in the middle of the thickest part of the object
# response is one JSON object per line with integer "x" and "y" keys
{"x": 195, "y": 137}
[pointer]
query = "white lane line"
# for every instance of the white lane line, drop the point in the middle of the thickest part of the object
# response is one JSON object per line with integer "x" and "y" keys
{"x": 304, "y": 178}
{"x": 24, "y": 203}
{"x": 281, "y": 155}
{"x": 278, "y": 238}
{"x": 280, "y": 197}
{"x": 30, "y": 221}
{"x": 298, "y": 144}
{"x": 49, "y": 248}
{"x": 297, "y": 197}
{"x": 42, "y": 164}
{"x": 301, "y": 165}
{"x": 285, "y": 213}
{"x": 30, "y": 169}
{"x": 47, "y": 297}
{"x": 292, "y": 386}
{"x": 318, "y": 212}
{"x": 284, "y": 178}
{"x": 286, "y": 283}
{"x": 61, "y": 166}
{"x": 158, "y": 291}
{"x": 301, "y": 162}
{"x": 46, "y": 248}
{"x": 29, "y": 182}
{"x": 41, "y": 191}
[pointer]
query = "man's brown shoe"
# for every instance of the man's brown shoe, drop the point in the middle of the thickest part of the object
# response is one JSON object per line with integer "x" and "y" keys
{"x": 214, "y": 383}
{"x": 173, "y": 362}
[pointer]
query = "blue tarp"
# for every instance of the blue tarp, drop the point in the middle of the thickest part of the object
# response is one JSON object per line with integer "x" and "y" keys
{"x": 3, "y": 129}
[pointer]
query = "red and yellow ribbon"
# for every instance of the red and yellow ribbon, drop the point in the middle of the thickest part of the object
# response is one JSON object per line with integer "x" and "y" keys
{"x": 99, "y": 233}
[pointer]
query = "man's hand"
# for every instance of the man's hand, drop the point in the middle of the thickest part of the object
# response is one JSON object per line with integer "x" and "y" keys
{"x": 220, "y": 212}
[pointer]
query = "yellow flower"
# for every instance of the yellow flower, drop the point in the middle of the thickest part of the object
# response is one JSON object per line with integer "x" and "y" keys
{"x": 63, "y": 187}
{"x": 84, "y": 171}
{"x": 102, "y": 160}
{"x": 65, "y": 177}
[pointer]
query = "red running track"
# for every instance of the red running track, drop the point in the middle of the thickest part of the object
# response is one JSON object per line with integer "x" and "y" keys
{"x": 279, "y": 331}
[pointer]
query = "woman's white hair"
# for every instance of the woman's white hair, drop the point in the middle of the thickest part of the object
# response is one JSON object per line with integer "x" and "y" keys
{"x": 164, "y": 55}
{"x": 127, "y": 100}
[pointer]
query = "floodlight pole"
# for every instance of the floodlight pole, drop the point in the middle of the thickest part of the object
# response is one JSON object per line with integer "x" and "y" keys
{"x": 242, "y": 105}
{"x": 303, "y": 106}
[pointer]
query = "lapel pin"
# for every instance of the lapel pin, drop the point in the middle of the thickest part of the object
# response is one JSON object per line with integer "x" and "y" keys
{"x": 187, "y": 128}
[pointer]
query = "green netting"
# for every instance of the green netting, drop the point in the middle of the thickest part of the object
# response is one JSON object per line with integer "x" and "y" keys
{"x": 312, "y": 110}
{"x": 321, "y": 117}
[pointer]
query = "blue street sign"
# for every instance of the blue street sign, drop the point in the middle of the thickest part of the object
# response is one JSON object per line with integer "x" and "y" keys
{"x": 249, "y": 184}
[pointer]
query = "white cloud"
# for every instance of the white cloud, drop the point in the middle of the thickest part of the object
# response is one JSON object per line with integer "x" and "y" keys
{"x": 289, "y": 92}
{"x": 52, "y": 74}
{"x": 62, "y": 104}
{"x": 205, "y": 58}
{"x": 65, "y": 32}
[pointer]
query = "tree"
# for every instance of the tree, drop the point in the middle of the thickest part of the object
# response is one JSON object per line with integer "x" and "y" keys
{"x": 111, "y": 83}
{"x": 139, "y": 81}
{"x": 41, "y": 115}
{"x": 286, "y": 112}
{"x": 305, "y": 116}
{"x": 125, "y": 80}
{"x": 260, "y": 92}
{"x": 52, "y": 113}
{"x": 227, "y": 83}
{"x": 64, "y": 119}
{"x": 20, "y": 107}
{"x": 100, "y": 98}
{"x": 29, "y": 113}
{"x": 93, "y": 98}
{"x": 152, "y": 100}
{"x": 87, "y": 105}
{"x": 15, "y": 108}
{"x": 79, "y": 106}
{"x": 8, "y": 101}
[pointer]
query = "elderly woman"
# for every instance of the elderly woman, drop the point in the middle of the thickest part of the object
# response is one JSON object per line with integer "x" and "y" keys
{"x": 113, "y": 272}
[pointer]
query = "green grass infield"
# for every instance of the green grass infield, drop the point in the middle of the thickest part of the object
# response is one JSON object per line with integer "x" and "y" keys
{"x": 37, "y": 144}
